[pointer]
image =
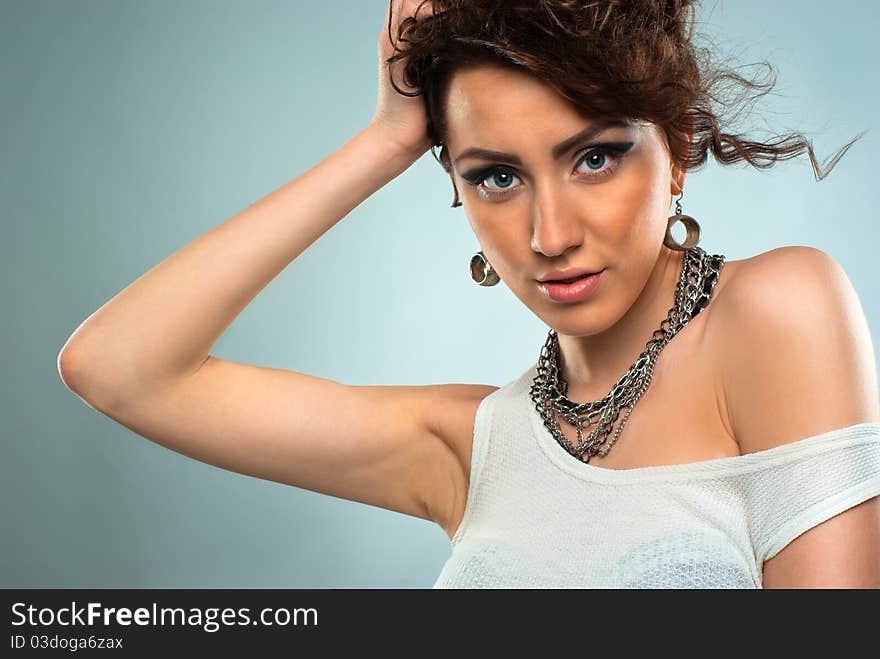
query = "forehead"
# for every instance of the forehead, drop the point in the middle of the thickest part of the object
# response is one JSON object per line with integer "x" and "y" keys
{"x": 493, "y": 106}
{"x": 477, "y": 90}
{"x": 487, "y": 100}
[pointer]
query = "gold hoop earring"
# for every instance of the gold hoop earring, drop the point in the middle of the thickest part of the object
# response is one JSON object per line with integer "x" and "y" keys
{"x": 690, "y": 224}
{"x": 482, "y": 271}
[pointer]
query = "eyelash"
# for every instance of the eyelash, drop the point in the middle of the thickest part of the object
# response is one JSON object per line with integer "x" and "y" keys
{"x": 616, "y": 150}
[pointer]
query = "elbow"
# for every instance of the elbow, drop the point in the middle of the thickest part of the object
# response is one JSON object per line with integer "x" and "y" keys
{"x": 71, "y": 371}
{"x": 64, "y": 362}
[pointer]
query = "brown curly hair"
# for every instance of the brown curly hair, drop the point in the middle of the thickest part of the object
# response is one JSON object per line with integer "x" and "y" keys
{"x": 632, "y": 59}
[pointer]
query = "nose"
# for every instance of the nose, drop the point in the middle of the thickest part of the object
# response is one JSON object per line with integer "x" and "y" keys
{"x": 556, "y": 226}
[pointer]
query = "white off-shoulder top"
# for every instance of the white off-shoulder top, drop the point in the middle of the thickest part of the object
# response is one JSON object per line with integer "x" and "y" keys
{"x": 537, "y": 517}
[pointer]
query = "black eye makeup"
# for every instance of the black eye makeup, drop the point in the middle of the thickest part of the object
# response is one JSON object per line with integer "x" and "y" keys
{"x": 595, "y": 163}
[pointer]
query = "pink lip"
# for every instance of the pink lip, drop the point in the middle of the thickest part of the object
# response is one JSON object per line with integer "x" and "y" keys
{"x": 559, "y": 275}
{"x": 574, "y": 292}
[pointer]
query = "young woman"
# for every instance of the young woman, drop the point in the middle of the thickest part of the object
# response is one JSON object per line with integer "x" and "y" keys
{"x": 691, "y": 421}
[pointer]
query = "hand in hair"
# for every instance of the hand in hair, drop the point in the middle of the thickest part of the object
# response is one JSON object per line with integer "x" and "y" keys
{"x": 402, "y": 116}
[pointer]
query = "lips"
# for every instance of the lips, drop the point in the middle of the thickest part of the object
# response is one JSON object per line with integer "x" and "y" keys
{"x": 579, "y": 290}
{"x": 565, "y": 281}
{"x": 567, "y": 276}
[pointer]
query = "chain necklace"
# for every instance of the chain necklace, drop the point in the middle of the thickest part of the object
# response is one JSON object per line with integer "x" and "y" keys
{"x": 699, "y": 274}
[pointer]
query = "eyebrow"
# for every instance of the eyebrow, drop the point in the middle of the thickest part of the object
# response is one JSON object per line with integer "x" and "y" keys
{"x": 560, "y": 149}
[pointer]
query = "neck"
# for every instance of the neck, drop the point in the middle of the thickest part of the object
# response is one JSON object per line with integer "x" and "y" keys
{"x": 592, "y": 364}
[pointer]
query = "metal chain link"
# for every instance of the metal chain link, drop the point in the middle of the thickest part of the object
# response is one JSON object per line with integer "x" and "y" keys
{"x": 699, "y": 274}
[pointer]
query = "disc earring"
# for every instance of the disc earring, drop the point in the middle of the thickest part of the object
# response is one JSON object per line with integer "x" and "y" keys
{"x": 482, "y": 271}
{"x": 690, "y": 224}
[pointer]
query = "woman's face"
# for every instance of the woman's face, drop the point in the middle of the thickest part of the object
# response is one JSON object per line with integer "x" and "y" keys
{"x": 599, "y": 202}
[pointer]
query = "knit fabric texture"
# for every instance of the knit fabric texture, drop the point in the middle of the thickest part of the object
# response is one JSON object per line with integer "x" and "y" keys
{"x": 537, "y": 517}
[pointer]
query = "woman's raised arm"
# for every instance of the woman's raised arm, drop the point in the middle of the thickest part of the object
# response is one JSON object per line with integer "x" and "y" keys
{"x": 163, "y": 325}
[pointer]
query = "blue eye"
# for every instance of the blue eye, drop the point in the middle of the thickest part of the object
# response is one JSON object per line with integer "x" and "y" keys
{"x": 593, "y": 157}
{"x": 501, "y": 177}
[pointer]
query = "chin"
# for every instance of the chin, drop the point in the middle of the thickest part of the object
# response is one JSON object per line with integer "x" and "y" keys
{"x": 579, "y": 319}
{"x": 587, "y": 327}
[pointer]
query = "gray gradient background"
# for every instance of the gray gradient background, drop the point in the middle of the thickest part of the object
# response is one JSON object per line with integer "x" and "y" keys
{"x": 129, "y": 128}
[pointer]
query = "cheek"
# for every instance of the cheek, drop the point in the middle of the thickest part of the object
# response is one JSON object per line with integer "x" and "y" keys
{"x": 499, "y": 224}
{"x": 636, "y": 206}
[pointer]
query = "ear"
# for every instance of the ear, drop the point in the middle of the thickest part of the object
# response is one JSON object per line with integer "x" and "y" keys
{"x": 676, "y": 185}
{"x": 679, "y": 174}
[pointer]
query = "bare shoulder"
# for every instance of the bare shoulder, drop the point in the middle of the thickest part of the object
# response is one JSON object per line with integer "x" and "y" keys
{"x": 793, "y": 348}
{"x": 783, "y": 287}
{"x": 740, "y": 277}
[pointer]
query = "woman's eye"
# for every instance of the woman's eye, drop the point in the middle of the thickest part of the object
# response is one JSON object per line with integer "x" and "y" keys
{"x": 595, "y": 160}
{"x": 502, "y": 178}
